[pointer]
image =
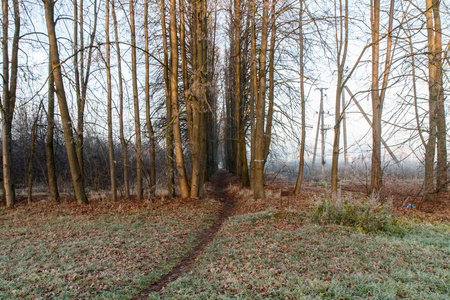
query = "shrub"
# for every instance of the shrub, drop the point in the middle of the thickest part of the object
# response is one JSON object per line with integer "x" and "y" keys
{"x": 367, "y": 216}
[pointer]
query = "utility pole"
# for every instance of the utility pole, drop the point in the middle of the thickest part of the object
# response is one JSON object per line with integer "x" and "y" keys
{"x": 320, "y": 124}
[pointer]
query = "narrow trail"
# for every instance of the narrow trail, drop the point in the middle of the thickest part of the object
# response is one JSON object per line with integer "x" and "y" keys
{"x": 220, "y": 181}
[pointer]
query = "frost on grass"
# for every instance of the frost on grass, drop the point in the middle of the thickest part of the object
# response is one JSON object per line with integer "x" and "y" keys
{"x": 104, "y": 250}
{"x": 259, "y": 256}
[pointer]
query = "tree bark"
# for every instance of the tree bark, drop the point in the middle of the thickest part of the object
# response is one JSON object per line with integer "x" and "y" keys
{"x": 75, "y": 171}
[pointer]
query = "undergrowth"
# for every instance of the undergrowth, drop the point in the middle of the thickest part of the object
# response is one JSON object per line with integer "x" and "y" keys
{"x": 368, "y": 216}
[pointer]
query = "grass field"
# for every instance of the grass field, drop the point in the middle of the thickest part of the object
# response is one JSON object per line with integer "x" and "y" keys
{"x": 113, "y": 250}
{"x": 261, "y": 256}
{"x": 101, "y": 251}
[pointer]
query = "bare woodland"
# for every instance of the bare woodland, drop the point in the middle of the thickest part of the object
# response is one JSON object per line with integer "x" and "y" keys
{"x": 134, "y": 96}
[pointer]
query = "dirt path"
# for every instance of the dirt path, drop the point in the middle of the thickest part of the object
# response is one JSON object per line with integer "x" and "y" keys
{"x": 219, "y": 182}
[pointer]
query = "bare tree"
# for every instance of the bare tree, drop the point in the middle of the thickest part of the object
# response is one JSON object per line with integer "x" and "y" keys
{"x": 49, "y": 149}
{"x": 436, "y": 114}
{"x": 151, "y": 133}
{"x": 298, "y": 183}
{"x": 75, "y": 170}
{"x": 342, "y": 46}
{"x": 123, "y": 141}
{"x": 82, "y": 70}
{"x": 378, "y": 93}
{"x": 258, "y": 178}
{"x": 137, "y": 122}
{"x": 9, "y": 97}
{"x": 182, "y": 178}
{"x": 110, "y": 128}
{"x": 169, "y": 129}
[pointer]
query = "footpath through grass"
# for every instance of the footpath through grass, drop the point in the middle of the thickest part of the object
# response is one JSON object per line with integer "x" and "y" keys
{"x": 269, "y": 256}
{"x": 100, "y": 251}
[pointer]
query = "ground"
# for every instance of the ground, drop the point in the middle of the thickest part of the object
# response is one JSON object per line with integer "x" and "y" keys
{"x": 226, "y": 245}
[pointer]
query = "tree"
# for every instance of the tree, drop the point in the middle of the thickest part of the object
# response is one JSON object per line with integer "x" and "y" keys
{"x": 109, "y": 96}
{"x": 49, "y": 149}
{"x": 378, "y": 93}
{"x": 9, "y": 97}
{"x": 169, "y": 128}
{"x": 298, "y": 183}
{"x": 31, "y": 157}
{"x": 137, "y": 122}
{"x": 260, "y": 100}
{"x": 436, "y": 114}
{"x": 199, "y": 100}
{"x": 123, "y": 141}
{"x": 82, "y": 71}
{"x": 151, "y": 133}
{"x": 342, "y": 46}
{"x": 75, "y": 170}
{"x": 182, "y": 178}
{"x": 242, "y": 166}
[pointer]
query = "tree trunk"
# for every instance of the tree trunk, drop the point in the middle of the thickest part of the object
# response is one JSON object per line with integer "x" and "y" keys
{"x": 199, "y": 101}
{"x": 254, "y": 89}
{"x": 84, "y": 73}
{"x": 169, "y": 129}
{"x": 298, "y": 184}
{"x": 258, "y": 179}
{"x": 378, "y": 95}
{"x": 341, "y": 57}
{"x": 137, "y": 122}
{"x": 151, "y": 133}
{"x": 436, "y": 114}
{"x": 441, "y": 135}
{"x": 242, "y": 167}
{"x": 182, "y": 178}
{"x": 52, "y": 181}
{"x": 377, "y": 105}
{"x": 30, "y": 160}
{"x": 75, "y": 171}
{"x": 9, "y": 98}
{"x": 123, "y": 142}
{"x": 268, "y": 132}
{"x": 110, "y": 128}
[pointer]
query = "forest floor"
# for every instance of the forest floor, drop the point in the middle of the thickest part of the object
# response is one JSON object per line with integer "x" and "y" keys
{"x": 226, "y": 245}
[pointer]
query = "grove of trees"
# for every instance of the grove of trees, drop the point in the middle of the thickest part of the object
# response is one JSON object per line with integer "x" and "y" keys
{"x": 161, "y": 93}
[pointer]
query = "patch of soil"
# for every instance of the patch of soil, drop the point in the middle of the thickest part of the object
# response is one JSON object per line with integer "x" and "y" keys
{"x": 219, "y": 183}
